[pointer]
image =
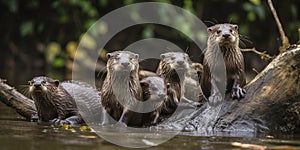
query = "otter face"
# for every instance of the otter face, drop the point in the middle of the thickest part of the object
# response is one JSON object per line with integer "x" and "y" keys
{"x": 224, "y": 34}
{"x": 41, "y": 84}
{"x": 123, "y": 61}
{"x": 175, "y": 60}
{"x": 154, "y": 88}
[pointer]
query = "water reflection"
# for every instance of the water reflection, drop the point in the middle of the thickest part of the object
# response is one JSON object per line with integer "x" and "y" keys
{"x": 15, "y": 134}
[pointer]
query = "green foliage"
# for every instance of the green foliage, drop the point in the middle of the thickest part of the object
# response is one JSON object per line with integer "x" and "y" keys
{"x": 26, "y": 28}
{"x": 254, "y": 9}
{"x": 65, "y": 21}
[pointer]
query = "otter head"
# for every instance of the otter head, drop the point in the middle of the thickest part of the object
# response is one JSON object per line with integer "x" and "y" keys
{"x": 173, "y": 61}
{"x": 122, "y": 61}
{"x": 42, "y": 85}
{"x": 223, "y": 35}
{"x": 154, "y": 88}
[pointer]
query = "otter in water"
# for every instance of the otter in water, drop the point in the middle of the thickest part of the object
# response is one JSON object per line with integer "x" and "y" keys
{"x": 224, "y": 37}
{"x": 176, "y": 70}
{"x": 121, "y": 88}
{"x": 53, "y": 102}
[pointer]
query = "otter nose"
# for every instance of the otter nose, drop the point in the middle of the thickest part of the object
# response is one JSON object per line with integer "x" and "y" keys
{"x": 125, "y": 64}
{"x": 37, "y": 85}
{"x": 180, "y": 62}
{"x": 226, "y": 36}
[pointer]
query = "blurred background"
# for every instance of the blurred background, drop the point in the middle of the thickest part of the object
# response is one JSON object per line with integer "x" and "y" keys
{"x": 40, "y": 37}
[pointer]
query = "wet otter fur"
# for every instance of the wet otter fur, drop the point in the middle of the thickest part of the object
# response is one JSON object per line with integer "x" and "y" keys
{"x": 225, "y": 37}
{"x": 121, "y": 88}
{"x": 53, "y": 102}
{"x": 176, "y": 70}
{"x": 155, "y": 92}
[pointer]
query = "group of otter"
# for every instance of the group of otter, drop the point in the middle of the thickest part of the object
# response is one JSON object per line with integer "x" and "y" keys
{"x": 124, "y": 90}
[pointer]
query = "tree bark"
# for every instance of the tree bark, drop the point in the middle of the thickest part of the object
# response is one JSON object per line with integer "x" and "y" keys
{"x": 272, "y": 101}
{"x": 12, "y": 98}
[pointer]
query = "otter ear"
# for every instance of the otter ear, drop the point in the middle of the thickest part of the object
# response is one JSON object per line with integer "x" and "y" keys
{"x": 162, "y": 56}
{"x": 209, "y": 29}
{"x": 136, "y": 56}
{"x": 108, "y": 55}
{"x": 236, "y": 27}
{"x": 186, "y": 55}
{"x": 56, "y": 82}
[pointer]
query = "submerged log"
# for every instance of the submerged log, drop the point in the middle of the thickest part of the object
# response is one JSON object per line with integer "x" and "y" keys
{"x": 12, "y": 98}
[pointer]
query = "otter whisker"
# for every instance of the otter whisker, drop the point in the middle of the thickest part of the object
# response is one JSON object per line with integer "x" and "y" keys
{"x": 212, "y": 23}
{"x": 24, "y": 89}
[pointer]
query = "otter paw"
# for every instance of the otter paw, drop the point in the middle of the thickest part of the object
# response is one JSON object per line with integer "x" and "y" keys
{"x": 57, "y": 122}
{"x": 34, "y": 117}
{"x": 121, "y": 124}
{"x": 238, "y": 93}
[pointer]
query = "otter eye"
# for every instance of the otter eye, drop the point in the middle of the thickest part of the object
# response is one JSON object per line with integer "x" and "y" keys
{"x": 43, "y": 82}
{"x": 172, "y": 58}
{"x": 117, "y": 58}
{"x": 218, "y": 31}
{"x": 30, "y": 82}
{"x": 230, "y": 30}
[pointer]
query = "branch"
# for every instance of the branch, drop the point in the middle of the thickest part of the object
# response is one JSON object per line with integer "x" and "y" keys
{"x": 285, "y": 40}
{"x": 265, "y": 57}
{"x": 298, "y": 36}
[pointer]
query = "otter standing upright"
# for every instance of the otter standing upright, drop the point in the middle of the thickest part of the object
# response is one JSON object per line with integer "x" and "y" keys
{"x": 121, "y": 88}
{"x": 225, "y": 37}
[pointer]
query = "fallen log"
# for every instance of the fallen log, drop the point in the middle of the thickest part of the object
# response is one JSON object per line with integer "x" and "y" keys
{"x": 12, "y": 98}
{"x": 272, "y": 102}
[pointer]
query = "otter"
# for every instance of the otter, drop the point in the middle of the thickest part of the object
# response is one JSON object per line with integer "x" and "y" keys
{"x": 225, "y": 37}
{"x": 176, "y": 70}
{"x": 154, "y": 91}
{"x": 53, "y": 102}
{"x": 121, "y": 88}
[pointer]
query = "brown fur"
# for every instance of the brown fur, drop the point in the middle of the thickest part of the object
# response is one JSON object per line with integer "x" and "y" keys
{"x": 154, "y": 91}
{"x": 122, "y": 85}
{"x": 232, "y": 55}
{"x": 176, "y": 69}
{"x": 53, "y": 102}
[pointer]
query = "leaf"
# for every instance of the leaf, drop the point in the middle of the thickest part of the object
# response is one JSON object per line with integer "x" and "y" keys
{"x": 103, "y": 3}
{"x": 59, "y": 62}
{"x": 26, "y": 28}
{"x": 251, "y": 16}
{"x": 13, "y": 5}
{"x": 148, "y": 32}
{"x": 260, "y": 11}
{"x": 188, "y": 5}
{"x": 53, "y": 49}
{"x": 255, "y": 2}
{"x": 71, "y": 49}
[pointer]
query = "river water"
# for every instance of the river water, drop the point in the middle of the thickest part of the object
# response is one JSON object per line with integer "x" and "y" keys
{"x": 18, "y": 134}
